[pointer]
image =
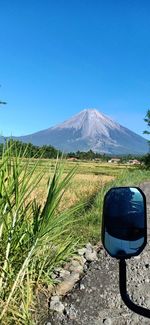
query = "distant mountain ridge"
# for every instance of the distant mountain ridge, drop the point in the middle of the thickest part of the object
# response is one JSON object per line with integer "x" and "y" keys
{"x": 87, "y": 130}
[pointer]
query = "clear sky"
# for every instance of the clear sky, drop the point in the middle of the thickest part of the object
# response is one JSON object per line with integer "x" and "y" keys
{"x": 58, "y": 57}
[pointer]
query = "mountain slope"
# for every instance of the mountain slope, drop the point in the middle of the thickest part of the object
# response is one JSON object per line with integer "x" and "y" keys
{"x": 87, "y": 130}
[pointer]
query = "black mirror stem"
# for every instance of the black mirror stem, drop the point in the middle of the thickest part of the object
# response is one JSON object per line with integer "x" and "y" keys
{"x": 124, "y": 295}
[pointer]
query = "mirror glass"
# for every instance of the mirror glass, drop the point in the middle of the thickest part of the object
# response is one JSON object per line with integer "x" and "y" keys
{"x": 124, "y": 230}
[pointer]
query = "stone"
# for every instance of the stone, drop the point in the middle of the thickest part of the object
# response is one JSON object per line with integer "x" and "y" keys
{"x": 56, "y": 304}
{"x": 107, "y": 321}
{"x": 76, "y": 266}
{"x": 72, "y": 312}
{"x": 137, "y": 257}
{"x": 64, "y": 273}
{"x": 147, "y": 302}
{"x": 82, "y": 287}
{"x": 82, "y": 251}
{"x": 85, "y": 268}
{"x": 54, "y": 276}
{"x": 83, "y": 260}
{"x": 91, "y": 256}
{"x": 89, "y": 247}
{"x": 58, "y": 269}
{"x": 55, "y": 298}
{"x": 67, "y": 285}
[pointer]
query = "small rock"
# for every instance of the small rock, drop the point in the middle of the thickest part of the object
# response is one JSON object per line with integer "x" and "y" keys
{"x": 64, "y": 273}
{"x": 107, "y": 321}
{"x": 89, "y": 246}
{"x": 85, "y": 267}
{"x": 147, "y": 302}
{"x": 58, "y": 269}
{"x": 76, "y": 266}
{"x": 55, "y": 298}
{"x": 91, "y": 256}
{"x": 54, "y": 276}
{"x": 71, "y": 312}
{"x": 137, "y": 257}
{"x": 82, "y": 287}
{"x": 67, "y": 284}
{"x": 81, "y": 251}
{"x": 83, "y": 260}
{"x": 56, "y": 304}
{"x": 134, "y": 320}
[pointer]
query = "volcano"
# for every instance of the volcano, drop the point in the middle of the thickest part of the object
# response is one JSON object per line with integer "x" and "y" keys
{"x": 87, "y": 130}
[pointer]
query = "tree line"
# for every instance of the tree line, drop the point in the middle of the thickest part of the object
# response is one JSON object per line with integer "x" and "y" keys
{"x": 29, "y": 150}
{"x": 48, "y": 152}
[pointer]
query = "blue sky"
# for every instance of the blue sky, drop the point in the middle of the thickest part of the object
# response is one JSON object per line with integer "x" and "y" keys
{"x": 58, "y": 57}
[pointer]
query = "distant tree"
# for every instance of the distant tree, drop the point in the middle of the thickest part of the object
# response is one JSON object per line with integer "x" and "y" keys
{"x": 146, "y": 158}
{"x": 2, "y": 103}
{"x": 88, "y": 155}
{"x": 147, "y": 120}
{"x": 1, "y": 149}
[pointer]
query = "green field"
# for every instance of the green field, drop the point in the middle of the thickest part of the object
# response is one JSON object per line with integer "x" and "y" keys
{"x": 46, "y": 213}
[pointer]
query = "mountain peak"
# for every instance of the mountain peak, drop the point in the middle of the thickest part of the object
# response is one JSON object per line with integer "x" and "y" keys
{"x": 90, "y": 110}
{"x": 94, "y": 113}
{"x": 90, "y": 123}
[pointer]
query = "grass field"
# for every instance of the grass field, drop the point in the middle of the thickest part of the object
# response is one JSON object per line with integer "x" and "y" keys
{"x": 46, "y": 213}
{"x": 89, "y": 178}
{"x": 88, "y": 185}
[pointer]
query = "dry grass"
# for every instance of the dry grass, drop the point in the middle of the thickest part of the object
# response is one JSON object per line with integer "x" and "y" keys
{"x": 81, "y": 187}
{"x": 90, "y": 177}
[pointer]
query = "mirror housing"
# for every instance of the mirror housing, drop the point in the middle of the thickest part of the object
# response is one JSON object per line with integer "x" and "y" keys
{"x": 124, "y": 222}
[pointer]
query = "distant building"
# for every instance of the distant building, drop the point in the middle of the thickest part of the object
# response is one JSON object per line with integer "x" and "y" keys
{"x": 134, "y": 162}
{"x": 114, "y": 160}
{"x": 72, "y": 159}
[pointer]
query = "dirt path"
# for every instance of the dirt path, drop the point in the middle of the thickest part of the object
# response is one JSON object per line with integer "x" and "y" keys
{"x": 96, "y": 299}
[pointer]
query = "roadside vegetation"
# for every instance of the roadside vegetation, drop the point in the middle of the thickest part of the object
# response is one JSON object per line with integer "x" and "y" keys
{"x": 48, "y": 209}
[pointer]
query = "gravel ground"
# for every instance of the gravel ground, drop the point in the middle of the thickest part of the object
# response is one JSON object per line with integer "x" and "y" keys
{"x": 95, "y": 300}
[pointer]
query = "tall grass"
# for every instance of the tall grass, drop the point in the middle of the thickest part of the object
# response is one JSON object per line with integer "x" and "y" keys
{"x": 33, "y": 239}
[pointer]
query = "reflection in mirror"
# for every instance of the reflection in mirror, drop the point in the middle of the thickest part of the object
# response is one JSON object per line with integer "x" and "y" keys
{"x": 124, "y": 229}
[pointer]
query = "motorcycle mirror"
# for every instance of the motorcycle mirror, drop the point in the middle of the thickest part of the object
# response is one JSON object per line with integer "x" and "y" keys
{"x": 124, "y": 222}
